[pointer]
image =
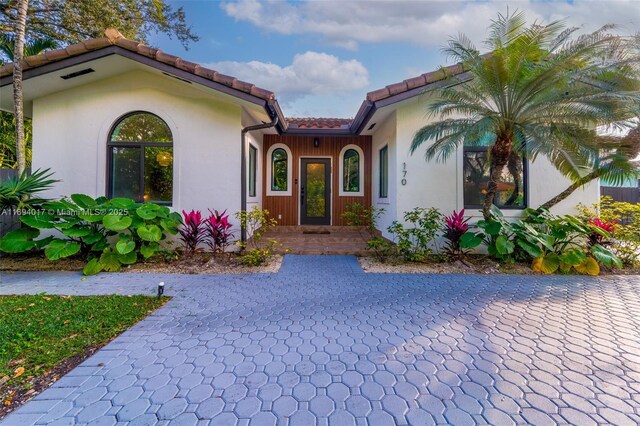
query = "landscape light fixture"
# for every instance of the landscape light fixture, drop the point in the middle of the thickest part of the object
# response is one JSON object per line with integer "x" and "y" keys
{"x": 160, "y": 289}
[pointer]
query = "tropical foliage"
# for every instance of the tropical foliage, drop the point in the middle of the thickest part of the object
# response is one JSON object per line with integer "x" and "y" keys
{"x": 459, "y": 240}
{"x": 106, "y": 233}
{"x": 552, "y": 243}
{"x": 191, "y": 231}
{"x": 415, "y": 236}
{"x": 214, "y": 231}
{"x": 623, "y": 223}
{"x": 19, "y": 192}
{"x": 255, "y": 223}
{"x": 542, "y": 90}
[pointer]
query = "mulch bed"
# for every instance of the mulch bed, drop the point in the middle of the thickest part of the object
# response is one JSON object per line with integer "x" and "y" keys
{"x": 199, "y": 263}
{"x": 471, "y": 264}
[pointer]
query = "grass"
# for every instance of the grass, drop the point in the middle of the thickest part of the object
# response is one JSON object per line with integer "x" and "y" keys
{"x": 43, "y": 336}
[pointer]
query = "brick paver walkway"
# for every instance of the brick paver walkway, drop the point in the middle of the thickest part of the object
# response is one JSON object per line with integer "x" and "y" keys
{"x": 322, "y": 343}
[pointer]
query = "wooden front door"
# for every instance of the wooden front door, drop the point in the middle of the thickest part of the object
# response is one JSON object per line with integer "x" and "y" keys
{"x": 315, "y": 191}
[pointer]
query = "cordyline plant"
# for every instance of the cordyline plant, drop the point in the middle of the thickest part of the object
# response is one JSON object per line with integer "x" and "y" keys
{"x": 541, "y": 90}
{"x": 217, "y": 230}
{"x": 600, "y": 237}
{"x": 459, "y": 240}
{"x": 191, "y": 231}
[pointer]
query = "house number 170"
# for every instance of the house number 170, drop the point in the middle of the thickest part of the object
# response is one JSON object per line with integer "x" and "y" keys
{"x": 404, "y": 174}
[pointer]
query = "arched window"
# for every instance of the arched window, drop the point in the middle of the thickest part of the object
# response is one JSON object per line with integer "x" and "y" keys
{"x": 140, "y": 159}
{"x": 279, "y": 170}
{"x": 351, "y": 171}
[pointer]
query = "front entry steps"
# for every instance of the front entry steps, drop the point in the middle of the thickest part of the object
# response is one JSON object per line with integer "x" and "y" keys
{"x": 316, "y": 239}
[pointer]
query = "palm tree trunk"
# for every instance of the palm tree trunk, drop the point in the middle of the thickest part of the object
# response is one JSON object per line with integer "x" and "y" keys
{"x": 498, "y": 159}
{"x": 564, "y": 194}
{"x": 21, "y": 23}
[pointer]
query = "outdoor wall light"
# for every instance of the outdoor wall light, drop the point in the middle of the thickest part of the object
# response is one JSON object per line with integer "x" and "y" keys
{"x": 164, "y": 158}
{"x": 316, "y": 142}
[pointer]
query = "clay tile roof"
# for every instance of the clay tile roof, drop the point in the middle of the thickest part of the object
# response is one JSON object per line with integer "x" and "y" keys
{"x": 112, "y": 37}
{"x": 415, "y": 82}
{"x": 319, "y": 123}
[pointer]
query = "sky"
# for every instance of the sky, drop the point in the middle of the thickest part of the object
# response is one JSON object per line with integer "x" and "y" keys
{"x": 321, "y": 57}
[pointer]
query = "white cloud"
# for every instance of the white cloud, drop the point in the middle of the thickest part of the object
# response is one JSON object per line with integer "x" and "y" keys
{"x": 310, "y": 73}
{"x": 425, "y": 23}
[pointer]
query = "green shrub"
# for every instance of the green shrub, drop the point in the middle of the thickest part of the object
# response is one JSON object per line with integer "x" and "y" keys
{"x": 106, "y": 233}
{"x": 255, "y": 223}
{"x": 551, "y": 242}
{"x": 367, "y": 217}
{"x": 414, "y": 239}
{"x": 625, "y": 241}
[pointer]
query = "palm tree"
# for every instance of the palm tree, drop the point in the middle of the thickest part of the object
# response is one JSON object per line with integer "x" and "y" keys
{"x": 31, "y": 48}
{"x": 615, "y": 166}
{"x": 540, "y": 90}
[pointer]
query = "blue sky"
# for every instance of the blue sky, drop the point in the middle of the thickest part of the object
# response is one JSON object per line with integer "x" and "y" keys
{"x": 321, "y": 57}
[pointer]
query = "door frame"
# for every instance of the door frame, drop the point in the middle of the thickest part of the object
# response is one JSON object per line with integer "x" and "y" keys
{"x": 299, "y": 186}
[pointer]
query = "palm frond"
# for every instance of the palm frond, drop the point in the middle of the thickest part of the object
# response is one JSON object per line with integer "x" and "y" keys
{"x": 19, "y": 191}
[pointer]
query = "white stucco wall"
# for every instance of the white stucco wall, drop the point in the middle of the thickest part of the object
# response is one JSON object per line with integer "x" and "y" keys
{"x": 385, "y": 135}
{"x": 71, "y": 129}
{"x": 439, "y": 184}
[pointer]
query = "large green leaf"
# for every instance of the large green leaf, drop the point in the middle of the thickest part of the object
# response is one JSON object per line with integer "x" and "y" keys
{"x": 77, "y": 231}
{"x": 503, "y": 245}
{"x": 469, "y": 240}
{"x": 531, "y": 249}
{"x": 116, "y": 222}
{"x": 605, "y": 256}
{"x": 93, "y": 267}
{"x": 169, "y": 226}
{"x": 148, "y": 211}
{"x": 91, "y": 216}
{"x": 129, "y": 258}
{"x": 83, "y": 201}
{"x": 40, "y": 220}
{"x": 19, "y": 241}
{"x": 92, "y": 238}
{"x": 150, "y": 233}
{"x": 148, "y": 250}
{"x": 57, "y": 249}
{"x": 109, "y": 261}
{"x": 490, "y": 227}
{"x": 124, "y": 247}
{"x": 121, "y": 203}
{"x": 573, "y": 257}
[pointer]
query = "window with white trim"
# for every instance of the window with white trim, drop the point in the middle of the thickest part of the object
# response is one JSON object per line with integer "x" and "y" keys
{"x": 279, "y": 170}
{"x": 351, "y": 171}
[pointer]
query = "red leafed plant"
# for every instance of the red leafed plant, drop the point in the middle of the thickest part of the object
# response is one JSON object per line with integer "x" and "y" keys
{"x": 217, "y": 230}
{"x": 191, "y": 231}
{"x": 455, "y": 226}
{"x": 601, "y": 231}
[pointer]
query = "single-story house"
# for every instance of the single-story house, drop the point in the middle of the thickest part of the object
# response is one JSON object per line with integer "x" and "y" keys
{"x": 115, "y": 117}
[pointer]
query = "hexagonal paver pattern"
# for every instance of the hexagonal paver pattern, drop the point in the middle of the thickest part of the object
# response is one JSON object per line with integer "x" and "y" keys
{"x": 321, "y": 342}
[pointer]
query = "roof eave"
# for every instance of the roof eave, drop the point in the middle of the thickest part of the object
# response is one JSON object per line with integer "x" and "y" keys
{"x": 145, "y": 60}
{"x": 369, "y": 108}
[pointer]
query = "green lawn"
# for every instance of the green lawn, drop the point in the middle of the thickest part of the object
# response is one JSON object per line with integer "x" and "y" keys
{"x": 42, "y": 336}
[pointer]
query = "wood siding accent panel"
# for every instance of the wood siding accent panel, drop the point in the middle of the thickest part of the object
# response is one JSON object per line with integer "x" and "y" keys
{"x": 302, "y": 146}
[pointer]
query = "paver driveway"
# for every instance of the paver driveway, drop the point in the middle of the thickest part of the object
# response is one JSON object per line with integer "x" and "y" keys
{"x": 323, "y": 343}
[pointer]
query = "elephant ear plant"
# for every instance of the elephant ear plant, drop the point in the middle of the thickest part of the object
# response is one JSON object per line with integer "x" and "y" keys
{"x": 552, "y": 243}
{"x": 107, "y": 233}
